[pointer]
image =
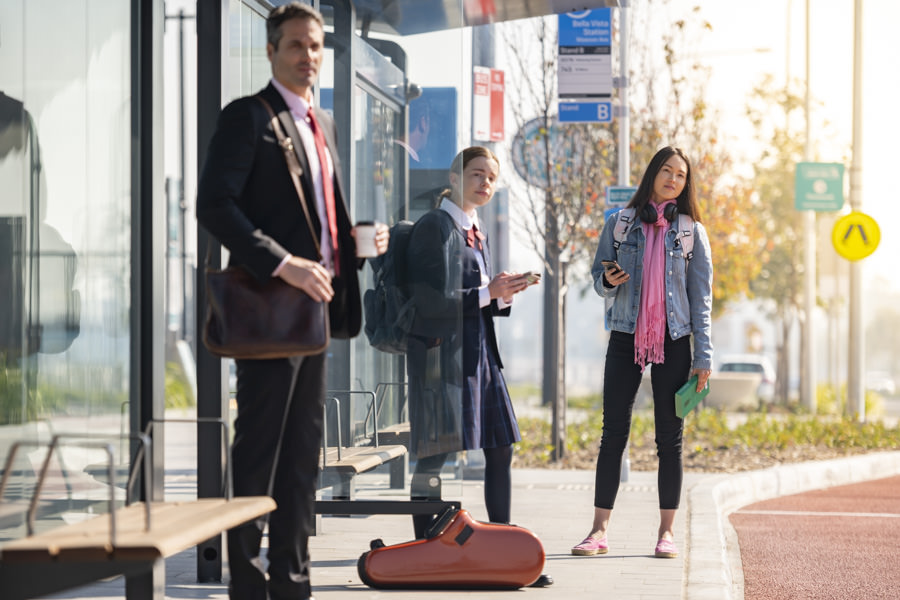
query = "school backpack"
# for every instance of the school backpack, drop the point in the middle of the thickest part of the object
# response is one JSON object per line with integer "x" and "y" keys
{"x": 684, "y": 236}
{"x": 388, "y": 307}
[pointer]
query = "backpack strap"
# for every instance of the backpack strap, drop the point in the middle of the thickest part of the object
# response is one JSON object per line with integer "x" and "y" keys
{"x": 624, "y": 219}
{"x": 685, "y": 236}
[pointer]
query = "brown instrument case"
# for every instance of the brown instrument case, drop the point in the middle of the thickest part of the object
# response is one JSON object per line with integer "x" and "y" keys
{"x": 458, "y": 553}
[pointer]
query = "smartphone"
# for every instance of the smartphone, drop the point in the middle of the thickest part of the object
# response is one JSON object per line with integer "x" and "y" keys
{"x": 611, "y": 266}
{"x": 531, "y": 277}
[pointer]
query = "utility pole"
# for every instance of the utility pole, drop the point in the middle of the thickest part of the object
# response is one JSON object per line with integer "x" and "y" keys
{"x": 624, "y": 172}
{"x": 856, "y": 356}
{"x": 808, "y": 372}
{"x": 624, "y": 175}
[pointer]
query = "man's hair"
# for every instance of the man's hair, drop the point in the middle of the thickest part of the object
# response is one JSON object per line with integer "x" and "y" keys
{"x": 286, "y": 12}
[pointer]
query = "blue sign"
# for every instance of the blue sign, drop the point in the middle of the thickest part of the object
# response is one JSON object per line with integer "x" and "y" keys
{"x": 585, "y": 112}
{"x": 584, "y": 62}
{"x": 619, "y": 195}
{"x": 586, "y": 28}
{"x": 431, "y": 142}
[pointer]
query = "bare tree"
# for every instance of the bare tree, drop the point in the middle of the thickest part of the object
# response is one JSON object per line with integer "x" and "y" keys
{"x": 568, "y": 166}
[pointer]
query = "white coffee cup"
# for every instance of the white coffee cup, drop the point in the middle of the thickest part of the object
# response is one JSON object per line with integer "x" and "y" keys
{"x": 365, "y": 239}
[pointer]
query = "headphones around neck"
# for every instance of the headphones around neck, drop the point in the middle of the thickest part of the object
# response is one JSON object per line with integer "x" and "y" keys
{"x": 650, "y": 215}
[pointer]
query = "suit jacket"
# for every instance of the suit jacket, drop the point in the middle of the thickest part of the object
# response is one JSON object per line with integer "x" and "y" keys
{"x": 246, "y": 200}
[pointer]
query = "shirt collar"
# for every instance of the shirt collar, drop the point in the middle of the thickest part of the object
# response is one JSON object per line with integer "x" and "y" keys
{"x": 297, "y": 105}
{"x": 462, "y": 219}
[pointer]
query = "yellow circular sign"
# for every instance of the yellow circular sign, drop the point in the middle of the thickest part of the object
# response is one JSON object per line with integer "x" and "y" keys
{"x": 855, "y": 236}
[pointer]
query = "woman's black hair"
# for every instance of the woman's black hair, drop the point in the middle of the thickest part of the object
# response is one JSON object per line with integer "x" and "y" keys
{"x": 686, "y": 201}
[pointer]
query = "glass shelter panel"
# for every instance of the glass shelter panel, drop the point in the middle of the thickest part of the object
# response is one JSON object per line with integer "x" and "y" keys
{"x": 401, "y": 103}
{"x": 407, "y": 125}
{"x": 65, "y": 241}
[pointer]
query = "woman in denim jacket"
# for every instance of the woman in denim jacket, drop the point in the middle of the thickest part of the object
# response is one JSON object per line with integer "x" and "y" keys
{"x": 659, "y": 298}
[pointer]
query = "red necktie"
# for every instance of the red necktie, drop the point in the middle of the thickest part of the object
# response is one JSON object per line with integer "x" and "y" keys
{"x": 474, "y": 237}
{"x": 327, "y": 188}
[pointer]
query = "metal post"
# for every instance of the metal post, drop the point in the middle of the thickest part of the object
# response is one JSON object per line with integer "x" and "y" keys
{"x": 624, "y": 121}
{"x": 182, "y": 167}
{"x": 211, "y": 401}
{"x": 808, "y": 379}
{"x": 624, "y": 149}
{"x": 856, "y": 355}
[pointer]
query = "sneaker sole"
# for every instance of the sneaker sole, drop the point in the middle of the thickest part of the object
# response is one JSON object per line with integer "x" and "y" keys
{"x": 666, "y": 555}
{"x": 580, "y": 552}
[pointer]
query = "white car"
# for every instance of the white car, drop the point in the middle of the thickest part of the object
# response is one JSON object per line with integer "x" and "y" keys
{"x": 881, "y": 382}
{"x": 753, "y": 363}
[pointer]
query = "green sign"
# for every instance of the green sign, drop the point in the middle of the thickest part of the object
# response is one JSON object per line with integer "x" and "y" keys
{"x": 819, "y": 186}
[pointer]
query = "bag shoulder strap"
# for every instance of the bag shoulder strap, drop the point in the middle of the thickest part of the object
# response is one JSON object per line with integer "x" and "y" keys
{"x": 287, "y": 146}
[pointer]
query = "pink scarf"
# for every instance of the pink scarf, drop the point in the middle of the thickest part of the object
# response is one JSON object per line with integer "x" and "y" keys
{"x": 650, "y": 335}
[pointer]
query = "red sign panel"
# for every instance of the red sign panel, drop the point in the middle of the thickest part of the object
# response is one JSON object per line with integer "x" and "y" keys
{"x": 487, "y": 104}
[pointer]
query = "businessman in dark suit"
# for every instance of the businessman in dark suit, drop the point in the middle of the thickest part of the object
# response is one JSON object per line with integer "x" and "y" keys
{"x": 247, "y": 200}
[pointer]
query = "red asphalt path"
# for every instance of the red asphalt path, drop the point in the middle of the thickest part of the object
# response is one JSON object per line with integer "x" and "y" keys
{"x": 841, "y": 542}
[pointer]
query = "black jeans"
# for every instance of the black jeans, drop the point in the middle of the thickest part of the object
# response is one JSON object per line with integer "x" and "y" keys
{"x": 622, "y": 378}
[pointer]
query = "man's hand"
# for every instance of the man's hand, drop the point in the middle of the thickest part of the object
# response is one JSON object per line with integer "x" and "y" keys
{"x": 382, "y": 237}
{"x": 309, "y": 276}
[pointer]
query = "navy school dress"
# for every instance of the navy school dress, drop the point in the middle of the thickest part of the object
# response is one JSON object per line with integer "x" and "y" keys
{"x": 458, "y": 396}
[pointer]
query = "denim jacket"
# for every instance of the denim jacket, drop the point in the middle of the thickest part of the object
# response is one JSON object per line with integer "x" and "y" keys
{"x": 688, "y": 286}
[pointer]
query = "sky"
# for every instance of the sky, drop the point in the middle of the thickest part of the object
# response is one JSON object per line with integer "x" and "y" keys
{"x": 750, "y": 39}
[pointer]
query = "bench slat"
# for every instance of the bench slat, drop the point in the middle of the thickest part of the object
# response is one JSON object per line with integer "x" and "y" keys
{"x": 359, "y": 459}
{"x": 395, "y": 434}
{"x": 175, "y": 526}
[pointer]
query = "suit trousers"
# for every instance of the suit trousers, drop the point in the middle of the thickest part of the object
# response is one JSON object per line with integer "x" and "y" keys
{"x": 278, "y": 436}
{"x": 621, "y": 380}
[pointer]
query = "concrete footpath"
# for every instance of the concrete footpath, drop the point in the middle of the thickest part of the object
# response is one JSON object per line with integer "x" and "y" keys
{"x": 557, "y": 506}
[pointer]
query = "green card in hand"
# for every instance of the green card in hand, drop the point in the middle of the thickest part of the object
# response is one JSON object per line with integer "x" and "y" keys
{"x": 687, "y": 397}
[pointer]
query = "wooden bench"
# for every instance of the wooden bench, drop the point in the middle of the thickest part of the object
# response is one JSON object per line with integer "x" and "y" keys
{"x": 341, "y": 464}
{"x": 80, "y": 553}
{"x": 133, "y": 541}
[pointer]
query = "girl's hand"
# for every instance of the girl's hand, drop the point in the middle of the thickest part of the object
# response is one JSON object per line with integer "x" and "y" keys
{"x": 702, "y": 377}
{"x": 616, "y": 277}
{"x": 505, "y": 285}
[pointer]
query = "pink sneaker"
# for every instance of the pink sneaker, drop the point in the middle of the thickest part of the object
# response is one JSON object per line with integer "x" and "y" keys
{"x": 666, "y": 549}
{"x": 591, "y": 546}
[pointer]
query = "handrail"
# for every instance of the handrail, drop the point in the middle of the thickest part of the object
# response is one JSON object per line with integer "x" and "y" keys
{"x": 383, "y": 385}
{"x": 228, "y": 484}
{"x": 374, "y": 409}
{"x": 87, "y": 441}
{"x": 337, "y": 413}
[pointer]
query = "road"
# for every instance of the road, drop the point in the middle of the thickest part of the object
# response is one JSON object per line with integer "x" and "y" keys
{"x": 841, "y": 542}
